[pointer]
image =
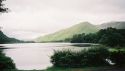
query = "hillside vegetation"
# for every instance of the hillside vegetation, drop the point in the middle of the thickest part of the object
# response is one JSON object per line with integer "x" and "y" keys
{"x": 6, "y": 39}
{"x": 83, "y": 27}
{"x": 63, "y": 35}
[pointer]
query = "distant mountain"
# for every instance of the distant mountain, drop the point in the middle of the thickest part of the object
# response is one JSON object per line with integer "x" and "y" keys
{"x": 6, "y": 39}
{"x": 118, "y": 25}
{"x": 83, "y": 27}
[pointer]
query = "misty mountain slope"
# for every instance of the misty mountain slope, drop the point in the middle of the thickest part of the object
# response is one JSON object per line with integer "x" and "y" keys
{"x": 6, "y": 39}
{"x": 118, "y": 25}
{"x": 3, "y": 37}
{"x": 84, "y": 27}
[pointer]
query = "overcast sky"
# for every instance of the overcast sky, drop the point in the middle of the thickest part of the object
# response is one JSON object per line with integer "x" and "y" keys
{"x": 28, "y": 19}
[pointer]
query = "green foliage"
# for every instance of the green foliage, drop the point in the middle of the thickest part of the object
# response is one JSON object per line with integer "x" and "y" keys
{"x": 6, "y": 62}
{"x": 118, "y": 57}
{"x": 103, "y": 68}
{"x": 77, "y": 38}
{"x": 84, "y": 27}
{"x": 84, "y": 38}
{"x": 66, "y": 34}
{"x": 109, "y": 37}
{"x": 113, "y": 39}
{"x": 94, "y": 56}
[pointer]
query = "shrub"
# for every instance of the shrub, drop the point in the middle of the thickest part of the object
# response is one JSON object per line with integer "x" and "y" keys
{"x": 6, "y": 62}
{"x": 118, "y": 57}
{"x": 66, "y": 58}
{"x": 94, "y": 56}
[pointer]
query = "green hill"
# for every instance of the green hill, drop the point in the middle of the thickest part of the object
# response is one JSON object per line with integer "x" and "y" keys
{"x": 84, "y": 27}
{"x": 118, "y": 25}
{"x": 6, "y": 39}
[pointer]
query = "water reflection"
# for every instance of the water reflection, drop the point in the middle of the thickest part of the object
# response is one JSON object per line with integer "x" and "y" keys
{"x": 34, "y": 55}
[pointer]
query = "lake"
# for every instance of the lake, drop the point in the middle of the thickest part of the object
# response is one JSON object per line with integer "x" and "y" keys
{"x": 29, "y": 56}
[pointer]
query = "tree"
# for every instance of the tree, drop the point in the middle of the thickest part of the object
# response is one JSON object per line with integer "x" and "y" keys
{"x": 77, "y": 38}
{"x": 6, "y": 62}
{"x": 2, "y": 9}
{"x": 112, "y": 39}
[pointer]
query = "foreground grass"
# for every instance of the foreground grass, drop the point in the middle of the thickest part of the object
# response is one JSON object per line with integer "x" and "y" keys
{"x": 79, "y": 69}
{"x": 86, "y": 69}
{"x": 116, "y": 49}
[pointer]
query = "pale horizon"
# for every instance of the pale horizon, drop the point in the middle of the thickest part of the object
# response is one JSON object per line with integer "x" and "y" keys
{"x": 28, "y": 19}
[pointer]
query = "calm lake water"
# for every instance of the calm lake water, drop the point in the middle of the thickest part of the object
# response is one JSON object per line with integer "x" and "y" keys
{"x": 28, "y": 56}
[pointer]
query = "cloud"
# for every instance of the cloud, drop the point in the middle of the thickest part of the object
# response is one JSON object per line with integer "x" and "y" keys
{"x": 30, "y": 17}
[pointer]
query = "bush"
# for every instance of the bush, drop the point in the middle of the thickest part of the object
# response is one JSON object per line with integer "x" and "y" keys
{"x": 94, "y": 56}
{"x": 118, "y": 57}
{"x": 6, "y": 62}
{"x": 65, "y": 58}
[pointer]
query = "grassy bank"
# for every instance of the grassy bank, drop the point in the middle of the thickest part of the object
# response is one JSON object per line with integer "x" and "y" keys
{"x": 78, "y": 69}
{"x": 86, "y": 69}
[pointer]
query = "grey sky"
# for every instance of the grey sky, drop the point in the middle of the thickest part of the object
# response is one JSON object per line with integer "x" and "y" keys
{"x": 31, "y": 18}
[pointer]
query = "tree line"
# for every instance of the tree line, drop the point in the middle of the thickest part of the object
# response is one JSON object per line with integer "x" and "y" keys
{"x": 109, "y": 37}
